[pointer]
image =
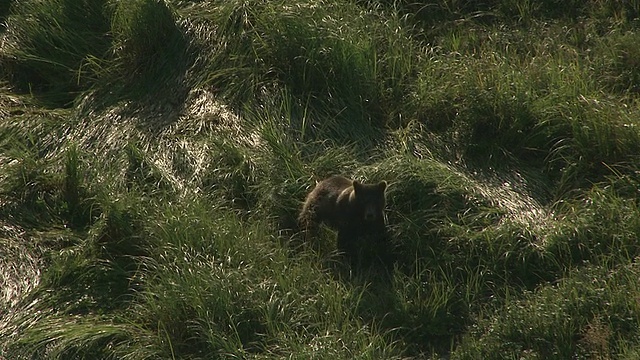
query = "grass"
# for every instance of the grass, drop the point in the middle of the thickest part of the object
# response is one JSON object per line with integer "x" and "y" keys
{"x": 47, "y": 46}
{"x": 155, "y": 155}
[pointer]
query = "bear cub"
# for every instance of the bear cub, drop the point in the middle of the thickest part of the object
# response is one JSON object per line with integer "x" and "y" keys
{"x": 355, "y": 210}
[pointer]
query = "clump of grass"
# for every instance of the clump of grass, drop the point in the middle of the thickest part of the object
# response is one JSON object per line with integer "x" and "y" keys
{"x": 89, "y": 336}
{"x": 561, "y": 320}
{"x": 506, "y": 111}
{"x": 21, "y": 261}
{"x": 584, "y": 148}
{"x": 584, "y": 233}
{"x": 29, "y": 189}
{"x": 93, "y": 274}
{"x": 35, "y": 189}
{"x": 326, "y": 68}
{"x": 619, "y": 64}
{"x": 46, "y": 47}
{"x": 233, "y": 176}
{"x": 142, "y": 174}
{"x": 141, "y": 28}
{"x": 433, "y": 14}
{"x": 78, "y": 207}
{"x": 149, "y": 53}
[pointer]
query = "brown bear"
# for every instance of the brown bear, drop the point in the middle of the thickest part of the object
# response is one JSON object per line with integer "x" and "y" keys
{"x": 354, "y": 209}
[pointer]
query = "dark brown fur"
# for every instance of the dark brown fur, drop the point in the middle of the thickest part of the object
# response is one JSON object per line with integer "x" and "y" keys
{"x": 354, "y": 209}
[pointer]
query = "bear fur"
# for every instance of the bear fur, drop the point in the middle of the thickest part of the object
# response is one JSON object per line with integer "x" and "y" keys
{"x": 355, "y": 210}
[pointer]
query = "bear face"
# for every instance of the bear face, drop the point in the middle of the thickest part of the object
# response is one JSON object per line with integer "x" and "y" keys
{"x": 369, "y": 201}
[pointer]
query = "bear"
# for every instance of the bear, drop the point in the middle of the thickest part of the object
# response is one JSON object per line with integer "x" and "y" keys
{"x": 355, "y": 210}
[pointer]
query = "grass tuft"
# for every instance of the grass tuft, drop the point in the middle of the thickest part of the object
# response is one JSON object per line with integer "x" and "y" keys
{"x": 46, "y": 45}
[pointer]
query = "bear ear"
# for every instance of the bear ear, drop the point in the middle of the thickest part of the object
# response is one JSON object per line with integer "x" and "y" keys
{"x": 356, "y": 185}
{"x": 382, "y": 185}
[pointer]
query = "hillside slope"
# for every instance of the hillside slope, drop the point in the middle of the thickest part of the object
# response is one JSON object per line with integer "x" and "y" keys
{"x": 154, "y": 156}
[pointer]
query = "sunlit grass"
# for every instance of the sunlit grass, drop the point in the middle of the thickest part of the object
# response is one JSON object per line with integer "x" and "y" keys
{"x": 154, "y": 156}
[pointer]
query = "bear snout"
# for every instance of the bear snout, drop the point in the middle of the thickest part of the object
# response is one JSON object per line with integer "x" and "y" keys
{"x": 370, "y": 214}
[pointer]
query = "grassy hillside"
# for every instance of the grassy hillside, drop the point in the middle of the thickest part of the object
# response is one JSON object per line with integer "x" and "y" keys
{"x": 154, "y": 156}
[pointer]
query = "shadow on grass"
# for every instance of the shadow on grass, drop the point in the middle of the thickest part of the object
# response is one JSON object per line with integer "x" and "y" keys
{"x": 47, "y": 46}
{"x": 4, "y": 13}
{"x": 147, "y": 77}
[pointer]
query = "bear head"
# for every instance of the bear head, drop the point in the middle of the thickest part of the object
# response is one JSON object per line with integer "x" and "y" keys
{"x": 369, "y": 201}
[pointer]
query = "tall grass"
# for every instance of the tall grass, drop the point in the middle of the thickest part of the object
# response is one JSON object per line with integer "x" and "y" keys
{"x": 154, "y": 156}
{"x": 563, "y": 320}
{"x": 47, "y": 47}
{"x": 335, "y": 72}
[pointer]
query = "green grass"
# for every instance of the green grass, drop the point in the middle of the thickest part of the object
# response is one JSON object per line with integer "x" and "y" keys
{"x": 154, "y": 156}
{"x": 48, "y": 46}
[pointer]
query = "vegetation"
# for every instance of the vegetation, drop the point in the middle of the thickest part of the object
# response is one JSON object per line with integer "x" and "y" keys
{"x": 154, "y": 155}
